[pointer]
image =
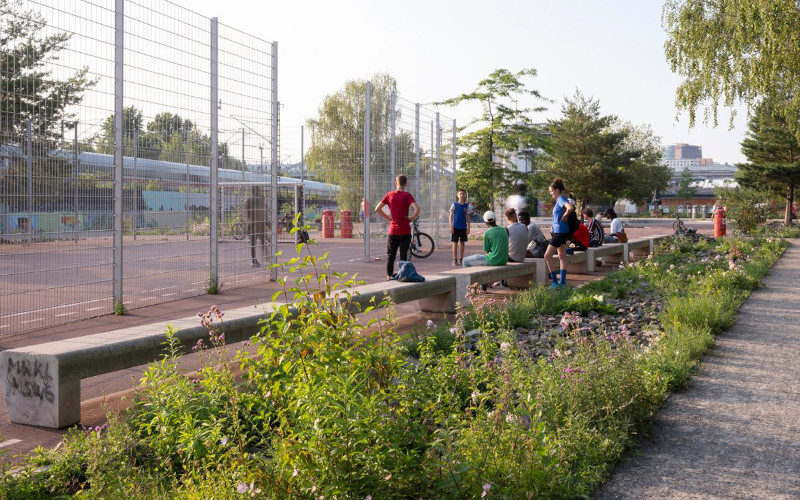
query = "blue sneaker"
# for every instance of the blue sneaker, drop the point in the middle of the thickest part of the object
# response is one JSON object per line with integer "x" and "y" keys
{"x": 556, "y": 286}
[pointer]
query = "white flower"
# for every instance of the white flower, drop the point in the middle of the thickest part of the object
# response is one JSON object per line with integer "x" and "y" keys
{"x": 429, "y": 324}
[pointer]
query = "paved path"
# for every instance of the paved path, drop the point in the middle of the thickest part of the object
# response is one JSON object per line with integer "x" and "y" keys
{"x": 734, "y": 433}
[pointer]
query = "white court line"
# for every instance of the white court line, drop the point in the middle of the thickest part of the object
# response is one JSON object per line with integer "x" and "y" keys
{"x": 9, "y": 442}
{"x": 65, "y": 314}
{"x": 30, "y": 321}
{"x": 95, "y": 308}
{"x": 170, "y": 294}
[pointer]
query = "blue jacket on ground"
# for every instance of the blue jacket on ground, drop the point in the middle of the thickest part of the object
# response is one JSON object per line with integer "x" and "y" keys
{"x": 407, "y": 272}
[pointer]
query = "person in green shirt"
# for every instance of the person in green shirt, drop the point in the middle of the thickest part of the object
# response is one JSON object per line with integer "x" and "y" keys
{"x": 495, "y": 244}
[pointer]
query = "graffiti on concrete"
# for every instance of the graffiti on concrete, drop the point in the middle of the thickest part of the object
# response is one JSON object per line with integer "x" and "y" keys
{"x": 31, "y": 379}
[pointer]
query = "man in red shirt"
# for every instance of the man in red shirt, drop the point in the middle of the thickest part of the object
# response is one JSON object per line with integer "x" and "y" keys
{"x": 398, "y": 202}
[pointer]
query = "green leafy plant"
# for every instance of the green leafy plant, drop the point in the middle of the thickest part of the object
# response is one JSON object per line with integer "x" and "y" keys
{"x": 120, "y": 309}
{"x": 584, "y": 304}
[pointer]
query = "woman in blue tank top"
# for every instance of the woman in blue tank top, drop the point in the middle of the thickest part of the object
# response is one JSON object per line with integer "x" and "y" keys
{"x": 558, "y": 243}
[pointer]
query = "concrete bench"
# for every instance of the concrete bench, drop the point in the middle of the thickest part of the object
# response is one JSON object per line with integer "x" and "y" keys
{"x": 436, "y": 294}
{"x": 516, "y": 274}
{"x": 607, "y": 250}
{"x": 42, "y": 383}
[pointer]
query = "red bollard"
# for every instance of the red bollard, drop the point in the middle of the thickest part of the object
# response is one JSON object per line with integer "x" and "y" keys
{"x": 719, "y": 222}
{"x": 327, "y": 223}
{"x": 347, "y": 224}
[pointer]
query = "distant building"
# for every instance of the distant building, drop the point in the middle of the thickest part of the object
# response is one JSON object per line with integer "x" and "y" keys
{"x": 683, "y": 151}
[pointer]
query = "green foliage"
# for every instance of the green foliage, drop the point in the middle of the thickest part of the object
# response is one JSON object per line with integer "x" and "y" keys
{"x": 647, "y": 174}
{"x": 336, "y": 154}
{"x": 584, "y": 304}
{"x": 443, "y": 335}
{"x": 686, "y": 190}
{"x": 30, "y": 92}
{"x": 120, "y": 309}
{"x": 485, "y": 169}
{"x": 773, "y": 154}
{"x": 213, "y": 287}
{"x": 746, "y": 206}
{"x": 598, "y": 158}
{"x": 746, "y": 50}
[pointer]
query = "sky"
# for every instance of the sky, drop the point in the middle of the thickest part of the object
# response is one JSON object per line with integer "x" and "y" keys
{"x": 610, "y": 50}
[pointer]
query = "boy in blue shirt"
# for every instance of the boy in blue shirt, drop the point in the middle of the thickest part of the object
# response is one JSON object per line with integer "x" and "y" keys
{"x": 459, "y": 225}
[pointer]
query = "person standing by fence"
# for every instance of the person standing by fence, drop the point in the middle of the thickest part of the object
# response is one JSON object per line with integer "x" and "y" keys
{"x": 459, "y": 225}
{"x": 256, "y": 211}
{"x": 398, "y": 201}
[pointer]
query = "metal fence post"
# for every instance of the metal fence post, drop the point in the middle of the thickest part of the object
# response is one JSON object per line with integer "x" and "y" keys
{"x": 368, "y": 98}
{"x": 274, "y": 161}
{"x": 119, "y": 85}
{"x": 393, "y": 149}
{"x": 29, "y": 168}
{"x": 188, "y": 215}
{"x": 416, "y": 151}
{"x": 434, "y": 212}
{"x": 75, "y": 181}
{"x": 438, "y": 174}
{"x": 213, "y": 278}
{"x": 302, "y": 221}
{"x": 135, "y": 178}
{"x": 455, "y": 187}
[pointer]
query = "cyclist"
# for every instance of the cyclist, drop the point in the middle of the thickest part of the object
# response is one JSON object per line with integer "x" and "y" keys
{"x": 399, "y": 201}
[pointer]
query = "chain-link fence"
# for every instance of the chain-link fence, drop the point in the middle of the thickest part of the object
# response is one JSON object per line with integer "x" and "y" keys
{"x": 141, "y": 160}
{"x": 119, "y": 120}
{"x": 362, "y": 139}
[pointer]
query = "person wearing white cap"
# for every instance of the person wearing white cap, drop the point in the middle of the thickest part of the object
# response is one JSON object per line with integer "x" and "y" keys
{"x": 495, "y": 244}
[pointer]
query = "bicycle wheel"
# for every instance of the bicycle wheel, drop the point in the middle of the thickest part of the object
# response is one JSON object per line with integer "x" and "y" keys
{"x": 678, "y": 226}
{"x": 423, "y": 246}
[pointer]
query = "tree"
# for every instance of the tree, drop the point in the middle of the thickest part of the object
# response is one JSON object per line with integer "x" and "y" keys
{"x": 164, "y": 139}
{"x": 686, "y": 189}
{"x": 29, "y": 90}
{"x": 647, "y": 173}
{"x": 336, "y": 154}
{"x": 729, "y": 50}
{"x": 588, "y": 152}
{"x": 485, "y": 167}
{"x": 132, "y": 125}
{"x": 773, "y": 153}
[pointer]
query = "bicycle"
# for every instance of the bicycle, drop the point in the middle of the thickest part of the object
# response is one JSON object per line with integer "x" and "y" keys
{"x": 681, "y": 231}
{"x": 421, "y": 243}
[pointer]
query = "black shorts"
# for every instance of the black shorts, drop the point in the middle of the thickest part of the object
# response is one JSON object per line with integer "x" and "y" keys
{"x": 458, "y": 235}
{"x": 559, "y": 239}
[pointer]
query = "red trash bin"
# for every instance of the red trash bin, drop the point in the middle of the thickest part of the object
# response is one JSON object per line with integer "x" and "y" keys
{"x": 347, "y": 224}
{"x": 327, "y": 223}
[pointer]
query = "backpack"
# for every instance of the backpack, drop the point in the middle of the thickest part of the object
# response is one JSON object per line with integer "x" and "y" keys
{"x": 596, "y": 233}
{"x": 407, "y": 272}
{"x": 580, "y": 237}
{"x": 573, "y": 222}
